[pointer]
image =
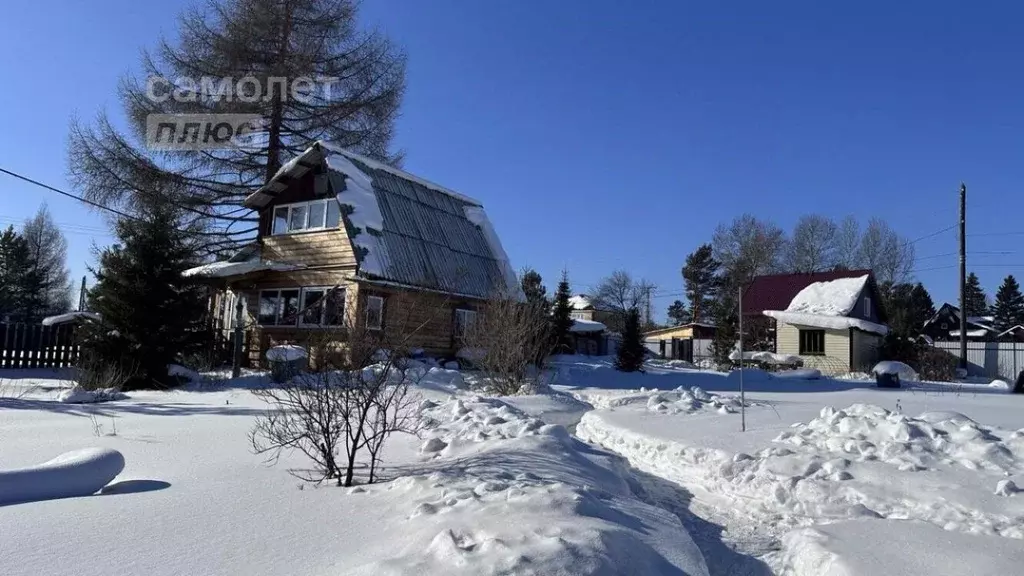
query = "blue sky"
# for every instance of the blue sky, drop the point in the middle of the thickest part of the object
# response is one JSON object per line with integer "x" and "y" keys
{"x": 603, "y": 137}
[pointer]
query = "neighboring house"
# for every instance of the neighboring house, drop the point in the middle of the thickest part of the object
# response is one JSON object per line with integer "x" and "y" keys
{"x": 583, "y": 309}
{"x": 591, "y": 338}
{"x": 344, "y": 240}
{"x": 945, "y": 325}
{"x": 1012, "y": 334}
{"x": 677, "y": 342}
{"x": 834, "y": 325}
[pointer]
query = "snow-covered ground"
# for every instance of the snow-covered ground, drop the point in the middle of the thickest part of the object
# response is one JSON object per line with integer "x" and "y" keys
{"x": 816, "y": 452}
{"x": 832, "y": 477}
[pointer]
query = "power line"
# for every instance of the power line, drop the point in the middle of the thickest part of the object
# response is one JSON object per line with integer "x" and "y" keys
{"x": 68, "y": 194}
{"x": 933, "y": 234}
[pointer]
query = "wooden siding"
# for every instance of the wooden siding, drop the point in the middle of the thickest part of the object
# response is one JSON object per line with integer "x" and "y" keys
{"x": 866, "y": 350}
{"x": 837, "y": 348}
{"x": 668, "y": 334}
{"x": 429, "y": 316}
{"x": 324, "y": 248}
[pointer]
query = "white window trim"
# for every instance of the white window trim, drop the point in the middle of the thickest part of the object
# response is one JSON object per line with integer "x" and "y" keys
{"x": 471, "y": 318}
{"x": 302, "y": 298}
{"x": 867, "y": 306}
{"x": 288, "y": 217}
{"x": 380, "y": 324}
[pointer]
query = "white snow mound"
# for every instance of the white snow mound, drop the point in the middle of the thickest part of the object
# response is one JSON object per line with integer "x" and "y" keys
{"x": 79, "y": 395}
{"x": 831, "y": 298}
{"x": 79, "y": 473}
{"x": 286, "y": 353}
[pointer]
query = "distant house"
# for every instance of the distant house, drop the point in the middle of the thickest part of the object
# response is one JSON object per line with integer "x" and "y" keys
{"x": 678, "y": 342}
{"x": 343, "y": 240}
{"x": 835, "y": 325}
{"x": 592, "y": 338}
{"x": 945, "y": 325}
{"x": 584, "y": 309}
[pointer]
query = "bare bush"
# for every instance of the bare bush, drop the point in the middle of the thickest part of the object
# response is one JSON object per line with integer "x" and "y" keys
{"x": 91, "y": 373}
{"x": 358, "y": 395}
{"x": 509, "y": 339}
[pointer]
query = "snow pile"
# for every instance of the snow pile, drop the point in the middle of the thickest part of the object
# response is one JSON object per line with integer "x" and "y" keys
{"x": 79, "y": 395}
{"x": 896, "y": 368}
{"x": 286, "y": 353}
{"x": 187, "y": 374}
{"x": 79, "y": 473}
{"x": 583, "y": 326}
{"x": 801, "y": 374}
{"x": 693, "y": 400}
{"x": 70, "y": 317}
{"x": 827, "y": 322}
{"x": 908, "y": 548}
{"x": 868, "y": 432}
{"x": 830, "y": 298}
{"x": 500, "y": 492}
{"x": 768, "y": 358}
{"x": 1001, "y": 385}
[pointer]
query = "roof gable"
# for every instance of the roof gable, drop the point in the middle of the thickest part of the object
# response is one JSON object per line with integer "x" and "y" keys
{"x": 776, "y": 291}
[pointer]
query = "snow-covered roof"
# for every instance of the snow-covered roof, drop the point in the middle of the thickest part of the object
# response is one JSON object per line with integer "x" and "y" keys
{"x": 1010, "y": 329}
{"x": 977, "y": 333}
{"x": 70, "y": 317}
{"x": 825, "y": 321}
{"x": 227, "y": 268}
{"x": 831, "y": 298}
{"x": 403, "y": 228}
{"x": 583, "y": 326}
{"x": 580, "y": 302}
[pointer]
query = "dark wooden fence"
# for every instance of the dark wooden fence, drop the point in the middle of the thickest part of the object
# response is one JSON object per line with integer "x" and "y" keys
{"x": 37, "y": 346}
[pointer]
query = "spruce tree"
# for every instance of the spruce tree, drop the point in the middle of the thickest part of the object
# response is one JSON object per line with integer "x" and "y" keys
{"x": 726, "y": 327}
{"x": 975, "y": 301}
{"x": 1009, "y": 305}
{"x": 561, "y": 318}
{"x": 922, "y": 308}
{"x": 700, "y": 275}
{"x": 150, "y": 314}
{"x": 630, "y": 356}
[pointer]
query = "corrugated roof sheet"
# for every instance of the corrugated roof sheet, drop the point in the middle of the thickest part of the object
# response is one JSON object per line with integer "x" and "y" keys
{"x": 427, "y": 239}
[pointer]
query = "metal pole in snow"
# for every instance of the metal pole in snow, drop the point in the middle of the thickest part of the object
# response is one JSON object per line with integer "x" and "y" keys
{"x": 743, "y": 402}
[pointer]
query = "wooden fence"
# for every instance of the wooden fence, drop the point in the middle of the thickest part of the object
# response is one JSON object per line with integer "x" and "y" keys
{"x": 37, "y": 346}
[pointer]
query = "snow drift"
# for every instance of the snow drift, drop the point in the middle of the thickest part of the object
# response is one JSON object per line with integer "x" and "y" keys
{"x": 78, "y": 473}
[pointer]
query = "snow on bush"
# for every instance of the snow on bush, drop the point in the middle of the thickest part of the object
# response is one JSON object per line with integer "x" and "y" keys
{"x": 78, "y": 473}
{"x": 79, "y": 395}
{"x": 897, "y": 368}
{"x": 693, "y": 400}
{"x": 768, "y": 358}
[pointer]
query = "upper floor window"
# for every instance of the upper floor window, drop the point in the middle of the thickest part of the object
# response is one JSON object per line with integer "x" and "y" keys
{"x": 867, "y": 306}
{"x": 301, "y": 216}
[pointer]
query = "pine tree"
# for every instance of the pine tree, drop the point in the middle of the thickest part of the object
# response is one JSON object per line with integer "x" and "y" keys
{"x": 678, "y": 314}
{"x": 1009, "y": 305}
{"x": 975, "y": 301}
{"x": 700, "y": 275}
{"x": 921, "y": 306}
{"x": 630, "y": 356}
{"x": 150, "y": 314}
{"x": 13, "y": 267}
{"x": 533, "y": 288}
{"x": 561, "y": 318}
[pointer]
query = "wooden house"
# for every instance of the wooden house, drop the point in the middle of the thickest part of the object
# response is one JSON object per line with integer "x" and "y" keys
{"x": 945, "y": 325}
{"x": 345, "y": 240}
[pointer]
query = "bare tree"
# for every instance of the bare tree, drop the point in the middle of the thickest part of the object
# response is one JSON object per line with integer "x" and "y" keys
{"x": 618, "y": 294}
{"x": 352, "y": 82}
{"x": 359, "y": 394}
{"x": 847, "y": 243}
{"x": 46, "y": 288}
{"x": 749, "y": 247}
{"x": 509, "y": 339}
{"x": 812, "y": 246}
{"x": 885, "y": 252}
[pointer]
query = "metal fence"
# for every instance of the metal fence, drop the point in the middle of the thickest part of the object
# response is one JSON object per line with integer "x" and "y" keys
{"x": 990, "y": 359}
{"x": 37, "y": 346}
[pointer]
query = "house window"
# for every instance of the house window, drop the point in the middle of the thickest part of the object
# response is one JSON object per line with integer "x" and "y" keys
{"x": 867, "y": 307}
{"x": 301, "y": 216}
{"x": 578, "y": 315}
{"x": 464, "y": 319}
{"x": 374, "y": 312}
{"x": 944, "y": 326}
{"x": 301, "y": 307}
{"x": 812, "y": 342}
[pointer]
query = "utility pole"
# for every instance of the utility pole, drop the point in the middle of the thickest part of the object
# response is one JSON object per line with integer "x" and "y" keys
{"x": 963, "y": 277}
{"x": 81, "y": 296}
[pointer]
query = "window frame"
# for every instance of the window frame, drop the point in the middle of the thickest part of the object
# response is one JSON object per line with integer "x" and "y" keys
{"x": 306, "y": 206}
{"x": 472, "y": 315}
{"x": 366, "y": 314}
{"x": 804, "y": 336}
{"x": 867, "y": 306}
{"x": 299, "y": 323}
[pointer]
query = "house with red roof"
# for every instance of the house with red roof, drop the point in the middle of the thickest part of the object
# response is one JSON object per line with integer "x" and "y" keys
{"x": 833, "y": 321}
